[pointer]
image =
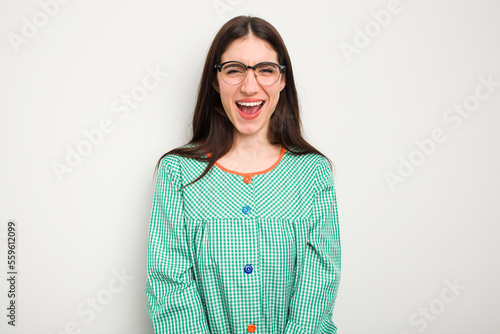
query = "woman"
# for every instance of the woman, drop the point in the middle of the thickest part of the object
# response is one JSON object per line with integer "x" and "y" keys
{"x": 244, "y": 235}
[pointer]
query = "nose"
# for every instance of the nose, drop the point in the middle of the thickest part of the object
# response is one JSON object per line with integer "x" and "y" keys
{"x": 250, "y": 85}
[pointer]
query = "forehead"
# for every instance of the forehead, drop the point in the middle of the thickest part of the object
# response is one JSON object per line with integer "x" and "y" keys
{"x": 250, "y": 50}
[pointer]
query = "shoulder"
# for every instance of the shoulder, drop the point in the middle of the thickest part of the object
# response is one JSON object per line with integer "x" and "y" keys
{"x": 311, "y": 169}
{"x": 169, "y": 161}
{"x": 310, "y": 161}
{"x": 320, "y": 170}
{"x": 170, "y": 167}
{"x": 175, "y": 161}
{"x": 181, "y": 169}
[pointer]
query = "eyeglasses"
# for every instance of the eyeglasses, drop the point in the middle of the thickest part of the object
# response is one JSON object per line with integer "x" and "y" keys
{"x": 234, "y": 72}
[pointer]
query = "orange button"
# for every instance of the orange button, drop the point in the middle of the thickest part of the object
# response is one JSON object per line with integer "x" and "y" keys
{"x": 251, "y": 328}
{"x": 247, "y": 179}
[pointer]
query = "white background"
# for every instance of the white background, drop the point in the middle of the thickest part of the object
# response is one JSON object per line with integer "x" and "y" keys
{"x": 438, "y": 223}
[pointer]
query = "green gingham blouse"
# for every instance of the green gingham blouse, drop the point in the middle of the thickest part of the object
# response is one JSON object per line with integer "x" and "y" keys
{"x": 244, "y": 252}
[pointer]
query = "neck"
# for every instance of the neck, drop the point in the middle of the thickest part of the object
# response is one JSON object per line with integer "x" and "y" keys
{"x": 252, "y": 146}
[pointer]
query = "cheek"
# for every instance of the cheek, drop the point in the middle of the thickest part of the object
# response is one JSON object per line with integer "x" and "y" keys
{"x": 226, "y": 93}
{"x": 227, "y": 100}
{"x": 275, "y": 95}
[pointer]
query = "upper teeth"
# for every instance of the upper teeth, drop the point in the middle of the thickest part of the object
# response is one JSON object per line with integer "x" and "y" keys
{"x": 250, "y": 104}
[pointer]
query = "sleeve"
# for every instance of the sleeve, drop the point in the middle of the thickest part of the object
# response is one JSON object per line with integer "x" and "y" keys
{"x": 173, "y": 302}
{"x": 318, "y": 273}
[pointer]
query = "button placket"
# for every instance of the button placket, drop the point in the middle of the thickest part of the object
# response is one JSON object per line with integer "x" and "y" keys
{"x": 248, "y": 180}
{"x": 248, "y": 269}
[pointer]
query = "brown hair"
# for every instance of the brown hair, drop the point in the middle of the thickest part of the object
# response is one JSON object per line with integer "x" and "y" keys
{"x": 212, "y": 130}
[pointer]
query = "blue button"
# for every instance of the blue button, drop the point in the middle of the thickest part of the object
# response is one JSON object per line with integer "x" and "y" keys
{"x": 246, "y": 209}
{"x": 248, "y": 269}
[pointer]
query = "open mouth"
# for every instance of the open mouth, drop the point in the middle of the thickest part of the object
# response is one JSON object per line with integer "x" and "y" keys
{"x": 250, "y": 108}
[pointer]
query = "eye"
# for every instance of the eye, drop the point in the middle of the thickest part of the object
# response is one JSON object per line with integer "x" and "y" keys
{"x": 233, "y": 69}
{"x": 267, "y": 69}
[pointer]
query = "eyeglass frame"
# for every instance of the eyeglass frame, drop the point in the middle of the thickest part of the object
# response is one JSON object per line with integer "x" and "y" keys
{"x": 281, "y": 68}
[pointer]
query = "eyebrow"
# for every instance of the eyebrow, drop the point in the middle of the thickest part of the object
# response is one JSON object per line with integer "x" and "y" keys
{"x": 262, "y": 61}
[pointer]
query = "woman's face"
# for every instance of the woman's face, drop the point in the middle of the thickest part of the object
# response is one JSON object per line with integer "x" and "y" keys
{"x": 250, "y": 50}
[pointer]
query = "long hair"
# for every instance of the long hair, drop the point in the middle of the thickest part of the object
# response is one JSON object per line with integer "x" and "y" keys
{"x": 213, "y": 132}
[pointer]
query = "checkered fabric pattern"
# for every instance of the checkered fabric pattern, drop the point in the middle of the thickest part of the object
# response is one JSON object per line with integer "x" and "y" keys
{"x": 244, "y": 252}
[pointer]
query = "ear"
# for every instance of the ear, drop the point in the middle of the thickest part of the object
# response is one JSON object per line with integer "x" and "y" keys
{"x": 215, "y": 85}
{"x": 215, "y": 82}
{"x": 283, "y": 83}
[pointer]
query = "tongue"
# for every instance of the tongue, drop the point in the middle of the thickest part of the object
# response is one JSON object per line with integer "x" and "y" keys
{"x": 249, "y": 110}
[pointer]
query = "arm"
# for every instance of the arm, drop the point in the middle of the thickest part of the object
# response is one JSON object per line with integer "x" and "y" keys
{"x": 173, "y": 302}
{"x": 318, "y": 273}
